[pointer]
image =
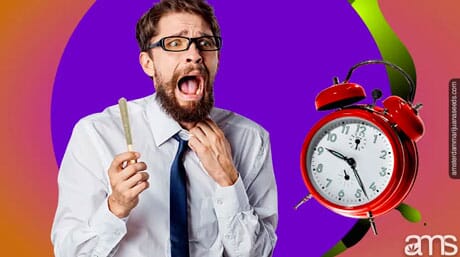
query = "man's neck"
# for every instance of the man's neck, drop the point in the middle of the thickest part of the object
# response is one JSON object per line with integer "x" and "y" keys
{"x": 187, "y": 125}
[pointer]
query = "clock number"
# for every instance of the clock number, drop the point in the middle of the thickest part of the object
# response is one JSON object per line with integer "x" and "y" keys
{"x": 319, "y": 168}
{"x": 373, "y": 187}
{"x": 341, "y": 193}
{"x": 384, "y": 154}
{"x": 329, "y": 181}
{"x": 320, "y": 150}
{"x": 332, "y": 137}
{"x": 375, "y": 138}
{"x": 383, "y": 172}
{"x": 358, "y": 193}
{"x": 360, "y": 129}
{"x": 345, "y": 129}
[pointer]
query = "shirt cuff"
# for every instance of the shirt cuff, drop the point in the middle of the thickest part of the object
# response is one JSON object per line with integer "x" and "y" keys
{"x": 230, "y": 200}
{"x": 109, "y": 228}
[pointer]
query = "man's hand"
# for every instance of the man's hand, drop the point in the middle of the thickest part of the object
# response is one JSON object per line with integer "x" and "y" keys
{"x": 209, "y": 143}
{"x": 127, "y": 182}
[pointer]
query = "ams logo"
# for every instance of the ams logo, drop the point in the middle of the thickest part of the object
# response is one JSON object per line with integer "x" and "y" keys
{"x": 444, "y": 245}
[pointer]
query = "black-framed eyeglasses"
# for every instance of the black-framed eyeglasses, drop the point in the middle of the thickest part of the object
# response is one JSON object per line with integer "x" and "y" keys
{"x": 179, "y": 44}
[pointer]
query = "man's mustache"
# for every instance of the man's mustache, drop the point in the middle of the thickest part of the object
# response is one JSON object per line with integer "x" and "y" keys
{"x": 200, "y": 68}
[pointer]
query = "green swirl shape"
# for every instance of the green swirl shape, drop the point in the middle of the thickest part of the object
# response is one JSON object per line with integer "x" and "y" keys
{"x": 391, "y": 48}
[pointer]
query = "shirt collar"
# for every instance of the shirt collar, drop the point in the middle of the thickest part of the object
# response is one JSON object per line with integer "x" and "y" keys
{"x": 162, "y": 126}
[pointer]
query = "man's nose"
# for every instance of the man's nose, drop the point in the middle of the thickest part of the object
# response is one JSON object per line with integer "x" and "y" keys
{"x": 193, "y": 54}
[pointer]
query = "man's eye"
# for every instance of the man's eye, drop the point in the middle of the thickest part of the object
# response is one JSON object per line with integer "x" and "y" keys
{"x": 205, "y": 42}
{"x": 175, "y": 43}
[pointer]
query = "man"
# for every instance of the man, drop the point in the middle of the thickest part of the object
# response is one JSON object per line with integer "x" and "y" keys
{"x": 214, "y": 195}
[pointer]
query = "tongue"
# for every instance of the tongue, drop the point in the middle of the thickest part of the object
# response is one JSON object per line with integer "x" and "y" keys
{"x": 189, "y": 86}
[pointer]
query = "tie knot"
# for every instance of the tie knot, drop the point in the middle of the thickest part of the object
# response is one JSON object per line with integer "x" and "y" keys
{"x": 182, "y": 144}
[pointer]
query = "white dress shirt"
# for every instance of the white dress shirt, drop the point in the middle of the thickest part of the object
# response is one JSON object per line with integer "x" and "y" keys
{"x": 238, "y": 220}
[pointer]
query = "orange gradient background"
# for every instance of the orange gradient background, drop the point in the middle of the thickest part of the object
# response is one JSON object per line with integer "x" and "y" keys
{"x": 33, "y": 37}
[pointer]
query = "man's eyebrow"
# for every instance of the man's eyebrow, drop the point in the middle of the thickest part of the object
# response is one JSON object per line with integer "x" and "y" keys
{"x": 205, "y": 34}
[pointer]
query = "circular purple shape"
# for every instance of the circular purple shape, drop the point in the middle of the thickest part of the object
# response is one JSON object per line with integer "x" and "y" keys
{"x": 276, "y": 57}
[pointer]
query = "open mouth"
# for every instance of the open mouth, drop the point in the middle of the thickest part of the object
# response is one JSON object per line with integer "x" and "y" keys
{"x": 191, "y": 86}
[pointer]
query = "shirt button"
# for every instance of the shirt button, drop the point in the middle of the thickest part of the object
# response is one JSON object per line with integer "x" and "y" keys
{"x": 219, "y": 202}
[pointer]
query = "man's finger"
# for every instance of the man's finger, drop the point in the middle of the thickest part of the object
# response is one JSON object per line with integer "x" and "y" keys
{"x": 140, "y": 187}
{"x": 207, "y": 130}
{"x": 215, "y": 134}
{"x": 136, "y": 179}
{"x": 196, "y": 145}
{"x": 119, "y": 159}
{"x": 214, "y": 127}
{"x": 198, "y": 134}
{"x": 130, "y": 170}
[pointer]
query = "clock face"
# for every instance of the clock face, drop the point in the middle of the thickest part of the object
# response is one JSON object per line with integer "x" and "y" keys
{"x": 350, "y": 161}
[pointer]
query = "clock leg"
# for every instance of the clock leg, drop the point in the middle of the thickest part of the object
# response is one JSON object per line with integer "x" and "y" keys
{"x": 304, "y": 200}
{"x": 371, "y": 221}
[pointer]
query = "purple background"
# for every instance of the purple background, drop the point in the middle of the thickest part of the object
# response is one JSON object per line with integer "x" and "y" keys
{"x": 276, "y": 57}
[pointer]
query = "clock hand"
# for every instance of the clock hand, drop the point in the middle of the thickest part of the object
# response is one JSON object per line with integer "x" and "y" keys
{"x": 347, "y": 177}
{"x": 350, "y": 161}
{"x": 337, "y": 154}
{"x": 352, "y": 164}
{"x": 357, "y": 141}
{"x": 358, "y": 178}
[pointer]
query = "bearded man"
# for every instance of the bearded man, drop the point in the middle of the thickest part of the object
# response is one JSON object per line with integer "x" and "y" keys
{"x": 203, "y": 183}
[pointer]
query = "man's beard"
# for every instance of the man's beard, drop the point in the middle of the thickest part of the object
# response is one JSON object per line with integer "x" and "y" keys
{"x": 194, "y": 111}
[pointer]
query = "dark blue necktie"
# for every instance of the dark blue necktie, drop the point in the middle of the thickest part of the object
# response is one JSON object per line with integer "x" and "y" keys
{"x": 178, "y": 204}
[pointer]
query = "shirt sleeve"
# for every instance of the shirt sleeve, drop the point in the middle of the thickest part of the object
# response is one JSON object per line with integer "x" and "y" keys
{"x": 83, "y": 224}
{"x": 247, "y": 213}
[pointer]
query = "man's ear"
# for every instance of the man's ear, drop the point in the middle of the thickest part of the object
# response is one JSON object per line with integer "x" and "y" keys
{"x": 146, "y": 63}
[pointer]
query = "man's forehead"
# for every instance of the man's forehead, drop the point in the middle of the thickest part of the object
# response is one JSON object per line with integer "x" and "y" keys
{"x": 183, "y": 24}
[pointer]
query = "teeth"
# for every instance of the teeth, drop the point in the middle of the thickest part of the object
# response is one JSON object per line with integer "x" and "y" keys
{"x": 198, "y": 81}
{"x": 198, "y": 92}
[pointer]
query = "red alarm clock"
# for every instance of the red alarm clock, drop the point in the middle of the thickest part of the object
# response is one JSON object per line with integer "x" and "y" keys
{"x": 361, "y": 160}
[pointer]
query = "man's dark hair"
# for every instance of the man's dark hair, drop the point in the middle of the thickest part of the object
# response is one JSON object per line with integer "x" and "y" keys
{"x": 147, "y": 26}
